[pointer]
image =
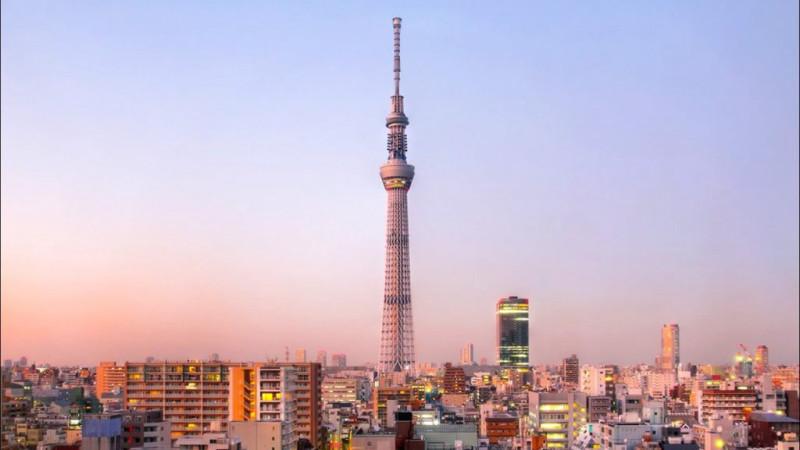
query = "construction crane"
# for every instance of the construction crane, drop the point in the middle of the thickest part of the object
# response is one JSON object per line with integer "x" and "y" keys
{"x": 743, "y": 355}
{"x": 747, "y": 355}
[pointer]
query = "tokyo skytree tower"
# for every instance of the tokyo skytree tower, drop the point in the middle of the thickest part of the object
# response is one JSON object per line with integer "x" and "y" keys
{"x": 397, "y": 332}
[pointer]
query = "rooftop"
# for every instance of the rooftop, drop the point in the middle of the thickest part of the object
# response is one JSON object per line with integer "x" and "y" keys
{"x": 763, "y": 416}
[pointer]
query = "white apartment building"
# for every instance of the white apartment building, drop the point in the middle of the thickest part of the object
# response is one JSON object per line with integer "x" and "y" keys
{"x": 559, "y": 415}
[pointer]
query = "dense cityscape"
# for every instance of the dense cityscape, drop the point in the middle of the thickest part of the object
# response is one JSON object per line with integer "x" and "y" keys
{"x": 322, "y": 402}
{"x": 308, "y": 400}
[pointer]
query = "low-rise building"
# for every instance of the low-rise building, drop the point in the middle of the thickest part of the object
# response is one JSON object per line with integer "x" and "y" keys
{"x": 345, "y": 389}
{"x": 732, "y": 403}
{"x": 557, "y": 415}
{"x": 501, "y": 428}
{"x": 766, "y": 428}
{"x": 598, "y": 407}
{"x": 449, "y": 436}
{"x": 207, "y": 441}
{"x": 262, "y": 435}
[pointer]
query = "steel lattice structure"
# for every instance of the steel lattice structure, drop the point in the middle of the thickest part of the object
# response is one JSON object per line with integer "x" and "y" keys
{"x": 397, "y": 332}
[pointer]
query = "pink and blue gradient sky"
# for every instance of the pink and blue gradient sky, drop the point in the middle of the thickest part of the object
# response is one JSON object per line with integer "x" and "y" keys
{"x": 182, "y": 178}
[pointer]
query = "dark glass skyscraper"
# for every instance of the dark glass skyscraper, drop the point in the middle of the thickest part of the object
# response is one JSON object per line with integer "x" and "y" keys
{"x": 512, "y": 332}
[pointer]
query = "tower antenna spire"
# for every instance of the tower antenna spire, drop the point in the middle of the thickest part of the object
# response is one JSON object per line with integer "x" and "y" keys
{"x": 396, "y": 23}
{"x": 397, "y": 121}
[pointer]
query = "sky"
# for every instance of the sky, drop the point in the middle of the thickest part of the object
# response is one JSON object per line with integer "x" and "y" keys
{"x": 182, "y": 178}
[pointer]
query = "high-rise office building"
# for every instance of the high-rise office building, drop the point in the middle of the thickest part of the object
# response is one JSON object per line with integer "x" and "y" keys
{"x": 512, "y": 332}
{"x": 322, "y": 358}
{"x": 467, "y": 355}
{"x": 761, "y": 360}
{"x": 397, "y": 333}
{"x": 109, "y": 376}
{"x": 570, "y": 370}
{"x": 300, "y": 355}
{"x": 743, "y": 364}
{"x": 670, "y": 347}
{"x": 339, "y": 360}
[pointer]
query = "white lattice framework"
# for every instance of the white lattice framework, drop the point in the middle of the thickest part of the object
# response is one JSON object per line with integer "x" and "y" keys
{"x": 397, "y": 333}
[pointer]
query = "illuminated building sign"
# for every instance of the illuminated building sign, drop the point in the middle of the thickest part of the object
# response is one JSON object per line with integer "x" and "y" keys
{"x": 394, "y": 183}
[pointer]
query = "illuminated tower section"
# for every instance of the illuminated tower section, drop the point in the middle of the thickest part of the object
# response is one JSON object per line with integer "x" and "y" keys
{"x": 397, "y": 332}
{"x": 512, "y": 333}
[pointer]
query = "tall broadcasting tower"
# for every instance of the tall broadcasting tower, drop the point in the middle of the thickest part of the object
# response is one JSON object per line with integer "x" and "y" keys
{"x": 397, "y": 332}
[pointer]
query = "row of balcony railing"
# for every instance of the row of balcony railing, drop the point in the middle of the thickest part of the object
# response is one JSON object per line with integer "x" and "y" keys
{"x": 177, "y": 386}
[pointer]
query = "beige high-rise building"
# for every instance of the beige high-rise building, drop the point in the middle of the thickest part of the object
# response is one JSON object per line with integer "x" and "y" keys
{"x": 670, "y": 347}
{"x": 467, "y": 355}
{"x": 109, "y": 376}
{"x": 300, "y": 355}
{"x": 761, "y": 360}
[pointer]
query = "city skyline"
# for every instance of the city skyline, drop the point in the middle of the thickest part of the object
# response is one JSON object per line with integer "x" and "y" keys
{"x": 620, "y": 176}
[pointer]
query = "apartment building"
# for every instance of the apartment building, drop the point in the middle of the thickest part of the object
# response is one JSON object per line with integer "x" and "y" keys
{"x": 389, "y": 399}
{"x": 726, "y": 403}
{"x": 501, "y": 428}
{"x": 345, "y": 389}
{"x": 194, "y": 395}
{"x": 200, "y": 397}
{"x": 454, "y": 380}
{"x": 265, "y": 393}
{"x": 109, "y": 376}
{"x": 308, "y": 400}
{"x": 557, "y": 415}
{"x": 598, "y": 407}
